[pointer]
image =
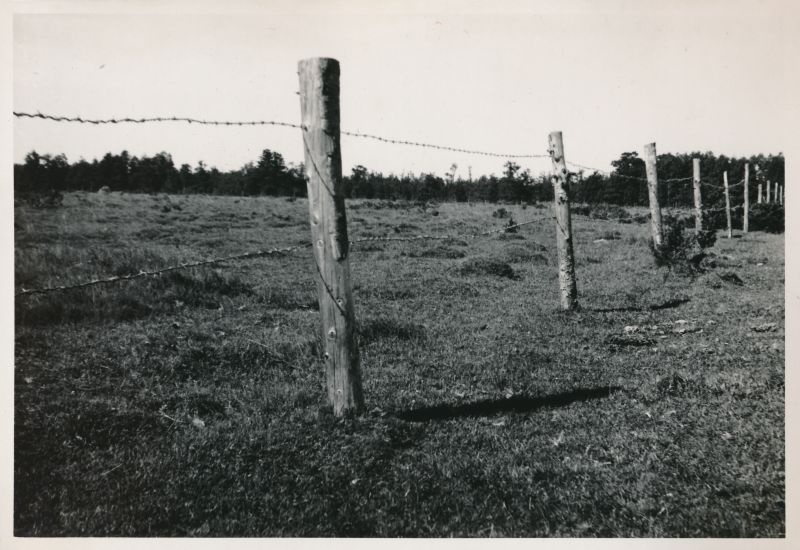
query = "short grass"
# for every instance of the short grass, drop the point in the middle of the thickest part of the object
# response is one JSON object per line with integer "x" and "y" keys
{"x": 193, "y": 404}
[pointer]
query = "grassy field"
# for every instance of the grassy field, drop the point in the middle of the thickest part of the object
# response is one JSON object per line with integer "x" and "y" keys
{"x": 193, "y": 403}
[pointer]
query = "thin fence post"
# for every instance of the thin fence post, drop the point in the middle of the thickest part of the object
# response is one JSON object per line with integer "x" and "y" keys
{"x": 727, "y": 203}
{"x": 319, "y": 105}
{"x": 566, "y": 261}
{"x": 760, "y": 193}
{"x": 780, "y": 195}
{"x": 769, "y": 184}
{"x": 746, "y": 205}
{"x": 698, "y": 197}
{"x": 652, "y": 187}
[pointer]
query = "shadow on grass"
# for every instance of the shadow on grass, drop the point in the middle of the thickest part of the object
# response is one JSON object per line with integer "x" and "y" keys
{"x": 515, "y": 404}
{"x": 675, "y": 302}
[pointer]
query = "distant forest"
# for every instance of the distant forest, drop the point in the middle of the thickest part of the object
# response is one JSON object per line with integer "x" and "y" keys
{"x": 270, "y": 175}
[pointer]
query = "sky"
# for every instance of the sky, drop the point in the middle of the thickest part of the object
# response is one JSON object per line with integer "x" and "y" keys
{"x": 704, "y": 76}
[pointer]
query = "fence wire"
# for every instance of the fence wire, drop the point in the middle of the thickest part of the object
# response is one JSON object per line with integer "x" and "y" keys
{"x": 624, "y": 176}
{"x": 263, "y": 253}
{"x": 144, "y": 273}
{"x": 275, "y": 251}
{"x": 123, "y": 120}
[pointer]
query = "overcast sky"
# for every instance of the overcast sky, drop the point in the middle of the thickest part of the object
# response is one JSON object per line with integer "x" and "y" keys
{"x": 611, "y": 78}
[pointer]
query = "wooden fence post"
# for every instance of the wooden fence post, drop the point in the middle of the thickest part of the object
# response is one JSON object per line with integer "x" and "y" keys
{"x": 698, "y": 197}
{"x": 768, "y": 191}
{"x": 780, "y": 195}
{"x": 760, "y": 193}
{"x": 727, "y": 203}
{"x": 319, "y": 106}
{"x": 566, "y": 261}
{"x": 652, "y": 187}
{"x": 746, "y": 205}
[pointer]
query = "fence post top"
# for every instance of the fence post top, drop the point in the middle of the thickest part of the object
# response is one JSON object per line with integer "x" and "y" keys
{"x": 324, "y": 61}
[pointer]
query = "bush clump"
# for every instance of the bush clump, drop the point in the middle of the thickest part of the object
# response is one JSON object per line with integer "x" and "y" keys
{"x": 500, "y": 213}
{"x": 767, "y": 217}
{"x": 603, "y": 212}
{"x": 486, "y": 266}
{"x": 681, "y": 251}
{"x": 511, "y": 226}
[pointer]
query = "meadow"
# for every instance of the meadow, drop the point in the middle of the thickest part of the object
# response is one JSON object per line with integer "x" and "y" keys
{"x": 193, "y": 403}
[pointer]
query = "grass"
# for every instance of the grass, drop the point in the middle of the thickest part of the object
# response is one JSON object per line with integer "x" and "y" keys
{"x": 193, "y": 404}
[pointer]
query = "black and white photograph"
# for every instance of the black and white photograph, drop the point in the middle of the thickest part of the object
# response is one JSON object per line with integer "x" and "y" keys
{"x": 398, "y": 270}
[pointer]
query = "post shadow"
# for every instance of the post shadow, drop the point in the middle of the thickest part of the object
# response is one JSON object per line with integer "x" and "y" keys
{"x": 515, "y": 404}
{"x": 669, "y": 304}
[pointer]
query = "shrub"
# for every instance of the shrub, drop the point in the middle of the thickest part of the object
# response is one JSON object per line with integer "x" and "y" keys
{"x": 767, "y": 217}
{"x": 680, "y": 251}
{"x": 511, "y": 226}
{"x": 706, "y": 238}
{"x": 500, "y": 213}
{"x": 486, "y": 266}
{"x": 45, "y": 199}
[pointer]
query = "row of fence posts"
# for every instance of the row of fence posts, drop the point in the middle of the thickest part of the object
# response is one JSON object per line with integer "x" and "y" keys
{"x": 319, "y": 104}
{"x": 774, "y": 193}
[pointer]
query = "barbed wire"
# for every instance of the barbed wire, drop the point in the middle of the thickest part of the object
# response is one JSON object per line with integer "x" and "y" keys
{"x": 81, "y": 120}
{"x": 143, "y": 273}
{"x": 442, "y": 147}
{"x": 721, "y": 187}
{"x": 263, "y": 253}
{"x": 125, "y": 120}
{"x": 624, "y": 176}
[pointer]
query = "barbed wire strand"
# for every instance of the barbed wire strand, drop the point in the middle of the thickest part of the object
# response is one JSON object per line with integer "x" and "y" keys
{"x": 82, "y": 120}
{"x": 613, "y": 174}
{"x": 262, "y": 253}
{"x": 143, "y": 273}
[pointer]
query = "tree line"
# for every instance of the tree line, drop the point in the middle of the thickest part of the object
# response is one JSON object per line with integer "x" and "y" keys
{"x": 270, "y": 175}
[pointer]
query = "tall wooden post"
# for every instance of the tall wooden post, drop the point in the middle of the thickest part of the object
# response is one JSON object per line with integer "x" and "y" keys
{"x": 652, "y": 188}
{"x": 319, "y": 106}
{"x": 768, "y": 191}
{"x": 780, "y": 195}
{"x": 746, "y": 205}
{"x": 566, "y": 261}
{"x": 760, "y": 193}
{"x": 727, "y": 203}
{"x": 698, "y": 197}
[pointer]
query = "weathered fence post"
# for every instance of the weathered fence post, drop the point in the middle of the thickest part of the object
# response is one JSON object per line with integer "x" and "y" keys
{"x": 319, "y": 106}
{"x": 780, "y": 195}
{"x": 566, "y": 261}
{"x": 760, "y": 193}
{"x": 768, "y": 191}
{"x": 746, "y": 205}
{"x": 727, "y": 203}
{"x": 652, "y": 187}
{"x": 698, "y": 197}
